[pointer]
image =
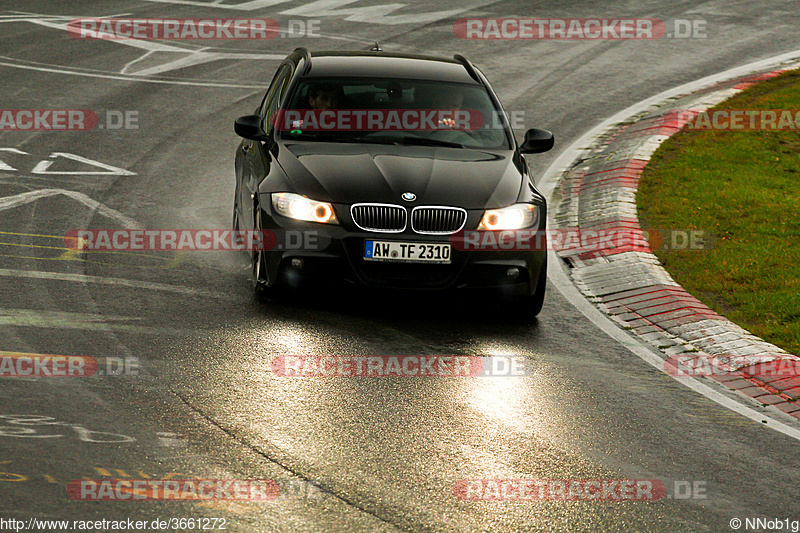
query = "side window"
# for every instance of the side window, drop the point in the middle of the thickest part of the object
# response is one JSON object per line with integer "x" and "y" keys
{"x": 273, "y": 98}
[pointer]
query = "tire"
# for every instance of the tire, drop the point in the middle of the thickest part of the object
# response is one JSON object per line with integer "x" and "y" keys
{"x": 259, "y": 283}
{"x": 235, "y": 222}
{"x": 262, "y": 288}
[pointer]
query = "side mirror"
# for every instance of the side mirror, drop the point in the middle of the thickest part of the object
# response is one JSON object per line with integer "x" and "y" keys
{"x": 537, "y": 141}
{"x": 249, "y": 127}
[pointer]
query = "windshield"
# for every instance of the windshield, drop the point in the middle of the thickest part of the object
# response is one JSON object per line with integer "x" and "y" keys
{"x": 392, "y": 111}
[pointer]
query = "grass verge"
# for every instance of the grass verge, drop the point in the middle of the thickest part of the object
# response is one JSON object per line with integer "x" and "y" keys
{"x": 743, "y": 188}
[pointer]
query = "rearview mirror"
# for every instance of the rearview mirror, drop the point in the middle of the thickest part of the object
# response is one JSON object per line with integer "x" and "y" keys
{"x": 537, "y": 141}
{"x": 249, "y": 127}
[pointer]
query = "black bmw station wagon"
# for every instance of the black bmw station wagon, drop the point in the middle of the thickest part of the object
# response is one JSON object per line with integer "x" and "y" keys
{"x": 389, "y": 171}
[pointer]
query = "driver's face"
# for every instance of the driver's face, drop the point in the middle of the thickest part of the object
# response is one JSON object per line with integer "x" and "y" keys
{"x": 452, "y": 100}
{"x": 323, "y": 100}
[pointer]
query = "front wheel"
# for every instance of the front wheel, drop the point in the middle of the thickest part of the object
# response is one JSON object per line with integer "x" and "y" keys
{"x": 235, "y": 221}
{"x": 260, "y": 282}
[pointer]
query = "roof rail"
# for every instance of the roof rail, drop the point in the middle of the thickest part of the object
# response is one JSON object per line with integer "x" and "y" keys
{"x": 467, "y": 65}
{"x": 306, "y": 56}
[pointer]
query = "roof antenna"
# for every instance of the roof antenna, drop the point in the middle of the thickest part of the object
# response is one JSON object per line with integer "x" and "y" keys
{"x": 376, "y": 48}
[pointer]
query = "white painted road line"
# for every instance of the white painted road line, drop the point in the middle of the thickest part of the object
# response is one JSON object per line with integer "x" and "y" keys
{"x": 129, "y": 283}
{"x": 42, "y": 167}
{"x": 10, "y": 202}
{"x": 15, "y": 63}
{"x": 38, "y": 318}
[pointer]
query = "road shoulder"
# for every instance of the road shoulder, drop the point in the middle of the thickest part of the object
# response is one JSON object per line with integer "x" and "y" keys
{"x": 612, "y": 266}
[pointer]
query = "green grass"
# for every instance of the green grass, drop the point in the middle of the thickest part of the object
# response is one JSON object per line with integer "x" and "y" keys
{"x": 743, "y": 187}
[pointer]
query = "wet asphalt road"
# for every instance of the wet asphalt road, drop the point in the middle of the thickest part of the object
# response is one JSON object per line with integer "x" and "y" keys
{"x": 199, "y": 400}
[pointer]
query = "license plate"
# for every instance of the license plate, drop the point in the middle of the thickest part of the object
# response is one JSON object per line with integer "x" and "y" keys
{"x": 407, "y": 252}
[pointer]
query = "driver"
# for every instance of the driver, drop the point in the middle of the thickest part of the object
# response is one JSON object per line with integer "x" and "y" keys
{"x": 452, "y": 100}
{"x": 448, "y": 101}
{"x": 323, "y": 96}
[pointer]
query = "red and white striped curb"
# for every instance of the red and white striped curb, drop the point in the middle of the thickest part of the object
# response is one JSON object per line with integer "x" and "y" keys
{"x": 631, "y": 286}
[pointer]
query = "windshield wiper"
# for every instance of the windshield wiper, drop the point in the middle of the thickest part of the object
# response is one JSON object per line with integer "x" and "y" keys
{"x": 319, "y": 137}
{"x": 429, "y": 142}
{"x": 333, "y": 137}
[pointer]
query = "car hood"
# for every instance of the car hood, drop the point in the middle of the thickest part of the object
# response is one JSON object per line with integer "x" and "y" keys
{"x": 353, "y": 173}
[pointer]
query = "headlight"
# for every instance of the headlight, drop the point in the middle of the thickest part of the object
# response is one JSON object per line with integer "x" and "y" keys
{"x": 302, "y": 208}
{"x": 518, "y": 216}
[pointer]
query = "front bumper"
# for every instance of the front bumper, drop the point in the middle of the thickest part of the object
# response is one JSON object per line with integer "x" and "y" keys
{"x": 335, "y": 255}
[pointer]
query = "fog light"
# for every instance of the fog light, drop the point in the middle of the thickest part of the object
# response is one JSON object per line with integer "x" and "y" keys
{"x": 512, "y": 273}
{"x": 297, "y": 263}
